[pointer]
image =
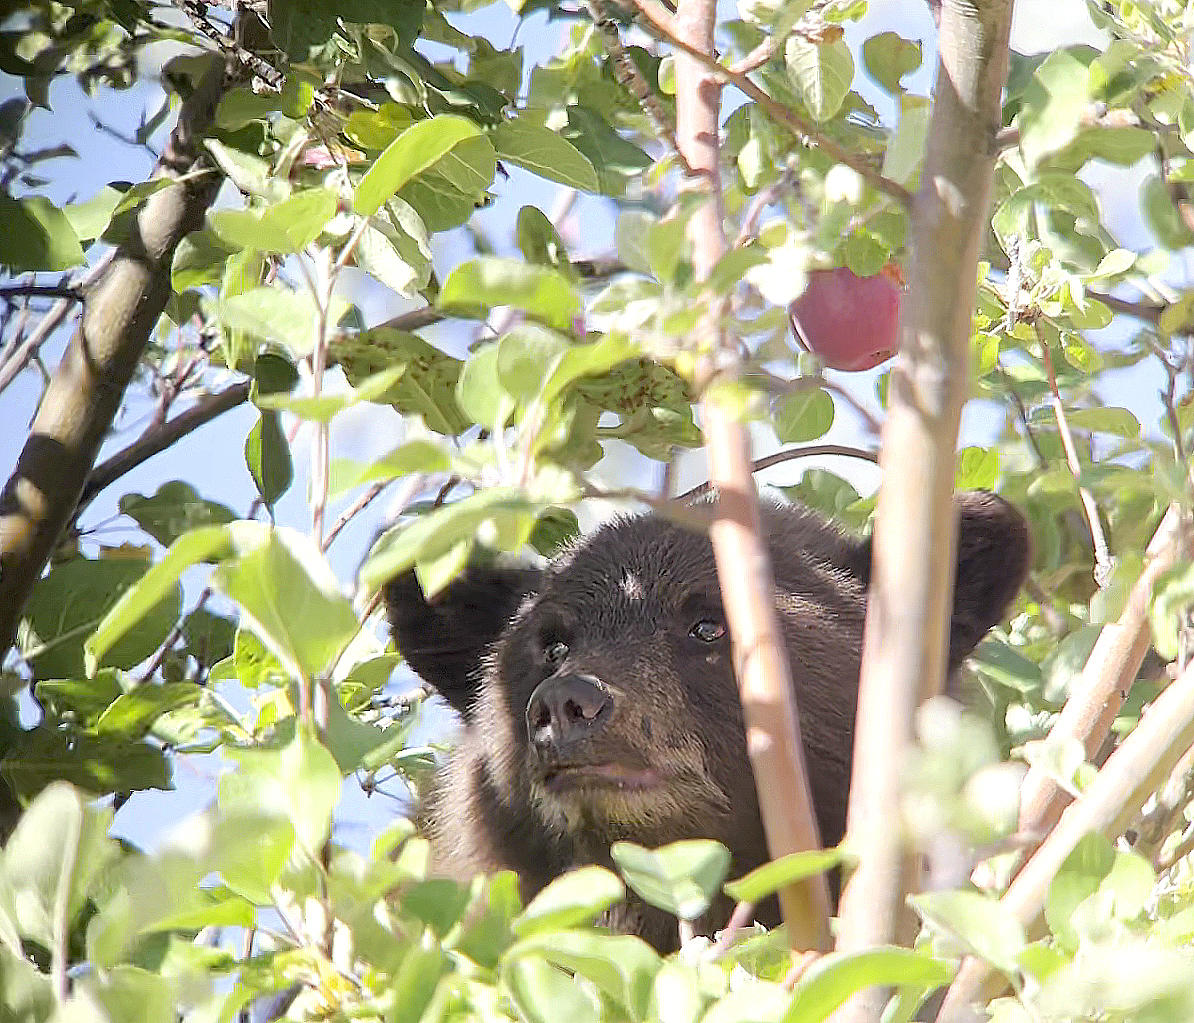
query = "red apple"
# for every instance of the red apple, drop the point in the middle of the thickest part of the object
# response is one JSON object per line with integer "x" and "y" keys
{"x": 852, "y": 322}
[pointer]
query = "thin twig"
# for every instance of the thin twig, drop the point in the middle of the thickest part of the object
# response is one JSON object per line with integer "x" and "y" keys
{"x": 660, "y": 23}
{"x": 1102, "y": 553}
{"x": 1022, "y": 413}
{"x": 353, "y": 510}
{"x": 787, "y": 455}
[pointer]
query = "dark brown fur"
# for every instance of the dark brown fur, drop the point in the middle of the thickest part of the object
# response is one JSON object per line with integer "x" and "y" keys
{"x": 624, "y": 600}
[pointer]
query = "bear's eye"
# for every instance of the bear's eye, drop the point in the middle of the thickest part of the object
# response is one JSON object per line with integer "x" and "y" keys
{"x": 554, "y": 653}
{"x": 707, "y": 630}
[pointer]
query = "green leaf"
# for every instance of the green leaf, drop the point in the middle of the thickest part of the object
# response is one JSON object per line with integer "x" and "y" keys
{"x": 25, "y": 992}
{"x": 1008, "y": 666}
{"x": 327, "y": 406}
{"x": 200, "y": 259}
{"x": 771, "y": 877}
{"x": 299, "y": 782}
{"x": 477, "y": 391}
{"x": 983, "y": 925}
{"x": 351, "y": 740}
{"x": 131, "y": 715}
{"x": 804, "y": 415}
{"x": 484, "y": 283}
{"x": 1105, "y": 419}
{"x": 276, "y": 314}
{"x": 56, "y": 850}
{"x": 416, "y": 455}
{"x": 888, "y": 57}
{"x": 97, "y": 764}
{"x": 436, "y": 531}
{"x": 175, "y": 509}
{"x": 393, "y": 258}
{"x": 291, "y": 600}
{"x": 526, "y": 357}
{"x": 415, "y": 982}
{"x": 90, "y": 219}
{"x": 267, "y": 455}
{"x": 447, "y": 195}
{"x": 438, "y": 902}
{"x": 36, "y": 236}
{"x": 417, "y": 149}
{"x": 74, "y": 598}
{"x": 538, "y": 240}
{"x": 1079, "y": 877}
{"x": 682, "y": 878}
{"x": 1055, "y": 103}
{"x": 285, "y": 227}
{"x": 427, "y": 387}
{"x": 622, "y": 967}
{"x": 543, "y": 993}
{"x": 1172, "y": 599}
{"x": 835, "y": 977}
{"x": 822, "y": 73}
{"x": 574, "y": 898}
{"x": 976, "y": 469}
{"x": 544, "y": 152}
{"x": 155, "y": 585}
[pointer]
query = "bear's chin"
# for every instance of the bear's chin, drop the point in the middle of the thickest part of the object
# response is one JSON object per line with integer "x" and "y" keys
{"x": 599, "y": 778}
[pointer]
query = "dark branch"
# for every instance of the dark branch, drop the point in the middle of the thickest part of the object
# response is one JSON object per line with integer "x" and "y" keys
{"x": 157, "y": 441}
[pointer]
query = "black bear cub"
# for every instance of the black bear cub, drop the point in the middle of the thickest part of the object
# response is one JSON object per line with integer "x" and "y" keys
{"x": 599, "y": 700}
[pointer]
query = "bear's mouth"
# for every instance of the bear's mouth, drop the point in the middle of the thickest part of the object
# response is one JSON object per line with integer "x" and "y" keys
{"x": 567, "y": 777}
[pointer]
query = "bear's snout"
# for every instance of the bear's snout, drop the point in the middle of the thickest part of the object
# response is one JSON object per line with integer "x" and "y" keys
{"x": 565, "y": 711}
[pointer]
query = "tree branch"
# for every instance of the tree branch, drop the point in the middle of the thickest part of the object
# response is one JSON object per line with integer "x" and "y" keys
{"x": 667, "y": 28}
{"x": 68, "y": 291}
{"x": 1132, "y": 773}
{"x": 86, "y": 390}
{"x": 908, "y": 613}
{"x": 157, "y": 441}
{"x": 1107, "y": 676}
{"x": 18, "y": 358}
{"x": 743, "y": 564}
{"x": 1090, "y": 508}
{"x": 787, "y": 455}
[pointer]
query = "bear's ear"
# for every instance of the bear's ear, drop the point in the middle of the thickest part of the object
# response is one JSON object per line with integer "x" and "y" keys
{"x": 444, "y": 640}
{"x": 993, "y": 552}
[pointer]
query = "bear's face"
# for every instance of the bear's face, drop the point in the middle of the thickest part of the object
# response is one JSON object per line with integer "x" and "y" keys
{"x": 614, "y": 694}
{"x": 599, "y": 694}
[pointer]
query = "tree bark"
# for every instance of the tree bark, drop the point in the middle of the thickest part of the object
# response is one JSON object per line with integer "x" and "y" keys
{"x": 908, "y": 611}
{"x": 86, "y": 390}
{"x": 743, "y": 562}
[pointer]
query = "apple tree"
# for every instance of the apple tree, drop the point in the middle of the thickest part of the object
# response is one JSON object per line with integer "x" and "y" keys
{"x": 562, "y": 257}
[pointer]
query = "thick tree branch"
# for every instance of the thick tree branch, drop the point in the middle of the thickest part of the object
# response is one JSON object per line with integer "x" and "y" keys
{"x": 904, "y": 651}
{"x": 1107, "y": 676}
{"x": 86, "y": 390}
{"x": 743, "y": 565}
{"x": 157, "y": 441}
{"x": 1132, "y": 774}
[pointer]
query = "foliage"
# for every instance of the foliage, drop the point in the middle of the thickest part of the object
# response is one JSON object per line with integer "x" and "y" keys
{"x": 361, "y": 141}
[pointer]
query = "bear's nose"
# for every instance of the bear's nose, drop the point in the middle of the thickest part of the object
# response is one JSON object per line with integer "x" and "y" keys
{"x": 566, "y": 709}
